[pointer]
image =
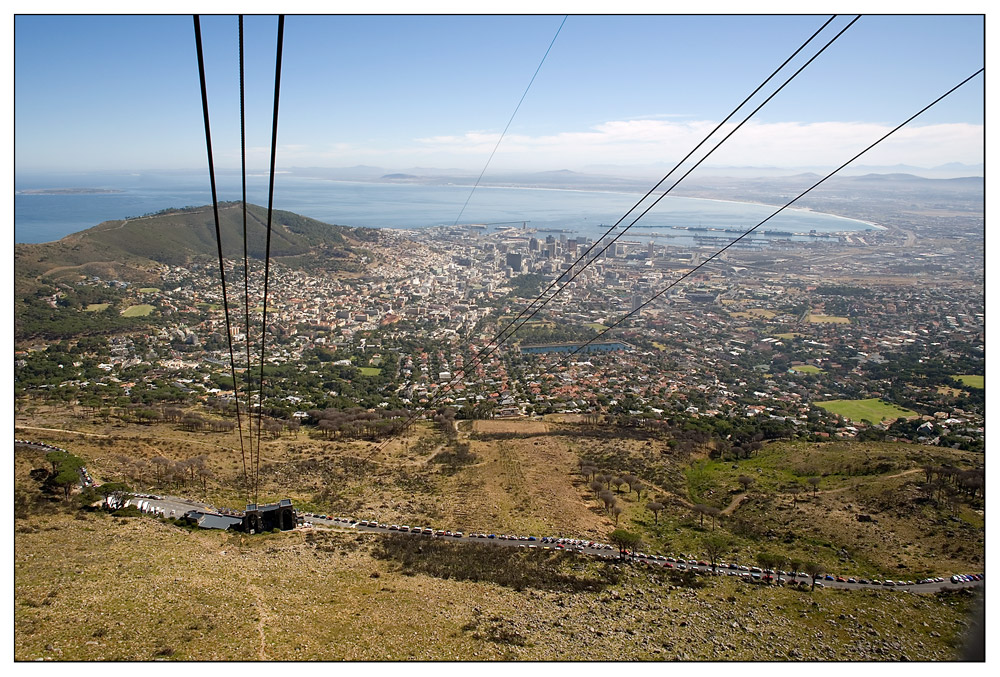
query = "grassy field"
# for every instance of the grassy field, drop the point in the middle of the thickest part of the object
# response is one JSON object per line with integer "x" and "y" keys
{"x": 149, "y": 290}
{"x": 139, "y": 310}
{"x": 807, "y": 369}
{"x": 873, "y": 409}
{"x": 97, "y": 307}
{"x": 827, "y": 319}
{"x": 755, "y": 312}
{"x": 78, "y": 576}
{"x": 596, "y": 326}
{"x": 789, "y": 335}
{"x": 973, "y": 380}
{"x": 370, "y": 371}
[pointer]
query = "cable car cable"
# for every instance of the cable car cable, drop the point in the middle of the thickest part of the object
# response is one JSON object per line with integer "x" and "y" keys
{"x": 218, "y": 230}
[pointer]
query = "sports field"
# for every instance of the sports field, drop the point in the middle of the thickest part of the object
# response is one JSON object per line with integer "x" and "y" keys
{"x": 873, "y": 409}
{"x": 97, "y": 307}
{"x": 973, "y": 380}
{"x": 138, "y": 311}
{"x": 827, "y": 319}
{"x": 807, "y": 369}
{"x": 756, "y": 312}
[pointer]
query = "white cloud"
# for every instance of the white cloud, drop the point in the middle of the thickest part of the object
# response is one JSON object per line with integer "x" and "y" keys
{"x": 647, "y": 141}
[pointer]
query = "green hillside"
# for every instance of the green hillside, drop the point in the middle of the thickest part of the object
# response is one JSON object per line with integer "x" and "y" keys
{"x": 134, "y": 251}
{"x": 174, "y": 237}
{"x": 128, "y": 249}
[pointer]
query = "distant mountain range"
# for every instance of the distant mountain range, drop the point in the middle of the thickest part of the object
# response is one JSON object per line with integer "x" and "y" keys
{"x": 768, "y": 189}
{"x": 628, "y": 179}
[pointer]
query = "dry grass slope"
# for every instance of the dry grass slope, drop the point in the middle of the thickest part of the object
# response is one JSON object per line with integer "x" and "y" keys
{"x": 93, "y": 587}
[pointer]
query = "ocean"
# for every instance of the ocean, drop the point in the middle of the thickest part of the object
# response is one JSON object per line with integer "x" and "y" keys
{"x": 44, "y": 217}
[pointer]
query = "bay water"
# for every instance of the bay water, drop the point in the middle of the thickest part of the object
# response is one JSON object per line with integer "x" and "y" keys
{"x": 46, "y": 212}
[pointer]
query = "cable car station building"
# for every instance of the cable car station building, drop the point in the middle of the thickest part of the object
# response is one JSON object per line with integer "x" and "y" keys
{"x": 255, "y": 519}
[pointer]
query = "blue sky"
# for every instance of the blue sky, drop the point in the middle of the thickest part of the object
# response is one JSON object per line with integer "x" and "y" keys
{"x": 122, "y": 93}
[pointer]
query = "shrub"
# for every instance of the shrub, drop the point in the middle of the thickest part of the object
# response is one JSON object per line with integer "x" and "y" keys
{"x": 507, "y": 566}
{"x": 130, "y": 511}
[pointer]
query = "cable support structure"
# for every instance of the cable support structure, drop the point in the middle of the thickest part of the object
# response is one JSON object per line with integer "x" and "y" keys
{"x": 267, "y": 251}
{"x": 504, "y": 132}
{"x": 499, "y": 339}
{"x": 775, "y": 213}
{"x": 246, "y": 257}
{"x": 218, "y": 231}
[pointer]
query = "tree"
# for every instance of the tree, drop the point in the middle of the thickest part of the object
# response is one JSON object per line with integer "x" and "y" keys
{"x": 617, "y": 510}
{"x": 929, "y": 470}
{"x": 770, "y": 562}
{"x": 160, "y": 464}
{"x": 702, "y": 510}
{"x": 65, "y": 470}
{"x": 746, "y": 481}
{"x": 655, "y": 507}
{"x": 777, "y": 562}
{"x": 596, "y": 487}
{"x": 617, "y": 482}
{"x": 715, "y": 546}
{"x": 795, "y": 490}
{"x": 814, "y": 571}
{"x": 115, "y": 494}
{"x": 608, "y": 498}
{"x": 624, "y": 540}
{"x": 714, "y": 512}
{"x": 631, "y": 480}
{"x": 204, "y": 474}
{"x": 66, "y": 478}
{"x": 814, "y": 481}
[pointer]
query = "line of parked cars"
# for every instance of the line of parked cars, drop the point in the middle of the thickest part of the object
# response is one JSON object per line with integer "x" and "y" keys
{"x": 966, "y": 578}
{"x": 750, "y": 573}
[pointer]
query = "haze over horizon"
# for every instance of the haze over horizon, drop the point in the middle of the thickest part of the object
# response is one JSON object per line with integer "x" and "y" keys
{"x": 617, "y": 95}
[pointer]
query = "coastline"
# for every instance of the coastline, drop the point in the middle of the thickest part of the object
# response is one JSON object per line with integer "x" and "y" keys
{"x": 70, "y": 210}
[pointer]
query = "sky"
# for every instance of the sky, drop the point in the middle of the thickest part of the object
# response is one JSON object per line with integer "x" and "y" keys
{"x": 121, "y": 93}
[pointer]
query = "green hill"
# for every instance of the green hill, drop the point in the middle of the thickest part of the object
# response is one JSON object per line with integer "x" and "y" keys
{"x": 122, "y": 249}
{"x": 176, "y": 236}
{"x": 134, "y": 251}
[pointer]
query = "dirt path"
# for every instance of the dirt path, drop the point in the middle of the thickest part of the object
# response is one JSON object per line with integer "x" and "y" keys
{"x": 261, "y": 652}
{"x": 735, "y": 503}
{"x": 214, "y": 445}
{"x": 59, "y": 430}
{"x": 911, "y": 471}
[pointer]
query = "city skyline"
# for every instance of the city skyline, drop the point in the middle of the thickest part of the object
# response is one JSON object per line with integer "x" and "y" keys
{"x": 121, "y": 92}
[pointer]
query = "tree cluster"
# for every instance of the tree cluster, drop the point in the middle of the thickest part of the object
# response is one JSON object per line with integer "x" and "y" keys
{"x": 357, "y": 423}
